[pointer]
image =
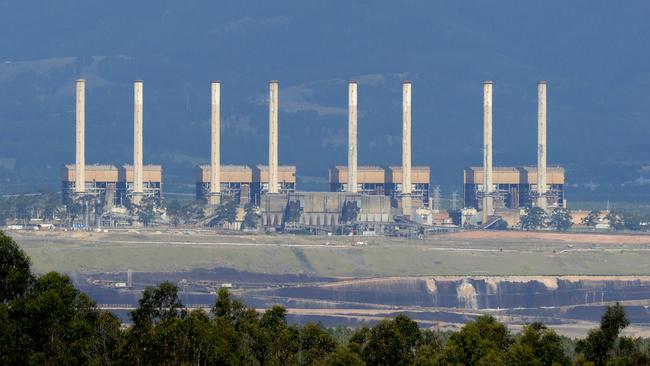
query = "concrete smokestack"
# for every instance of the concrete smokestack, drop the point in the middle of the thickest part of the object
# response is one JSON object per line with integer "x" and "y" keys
{"x": 406, "y": 148}
{"x": 273, "y": 136}
{"x": 137, "y": 141}
{"x": 352, "y": 137}
{"x": 80, "y": 160}
{"x": 215, "y": 167}
{"x": 541, "y": 144}
{"x": 487, "y": 151}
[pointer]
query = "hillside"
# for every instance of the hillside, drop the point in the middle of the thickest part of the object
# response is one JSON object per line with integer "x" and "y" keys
{"x": 592, "y": 54}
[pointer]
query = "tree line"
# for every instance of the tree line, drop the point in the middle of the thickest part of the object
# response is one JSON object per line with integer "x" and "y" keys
{"x": 560, "y": 219}
{"x": 45, "y": 320}
{"x": 47, "y": 206}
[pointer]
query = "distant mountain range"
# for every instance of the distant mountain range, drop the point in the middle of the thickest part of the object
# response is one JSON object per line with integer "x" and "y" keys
{"x": 592, "y": 53}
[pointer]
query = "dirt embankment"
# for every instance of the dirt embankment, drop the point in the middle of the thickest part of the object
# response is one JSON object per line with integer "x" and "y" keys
{"x": 589, "y": 238}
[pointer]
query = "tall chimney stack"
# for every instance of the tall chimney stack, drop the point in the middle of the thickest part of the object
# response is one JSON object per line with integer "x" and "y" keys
{"x": 487, "y": 151}
{"x": 273, "y": 136}
{"x": 541, "y": 144}
{"x": 352, "y": 137}
{"x": 406, "y": 148}
{"x": 80, "y": 160}
{"x": 215, "y": 168}
{"x": 137, "y": 141}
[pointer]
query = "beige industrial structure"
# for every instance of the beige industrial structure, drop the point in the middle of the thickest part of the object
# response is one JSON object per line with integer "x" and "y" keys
{"x": 112, "y": 184}
{"x": 80, "y": 175}
{"x": 236, "y": 182}
{"x": 406, "y": 149}
{"x": 488, "y": 189}
{"x": 359, "y": 194}
{"x": 514, "y": 186}
{"x": 273, "y": 137}
{"x": 215, "y": 163}
{"x": 285, "y": 180}
{"x": 137, "y": 141}
{"x": 323, "y": 210}
{"x": 352, "y": 137}
{"x": 376, "y": 180}
{"x": 243, "y": 183}
{"x": 541, "y": 145}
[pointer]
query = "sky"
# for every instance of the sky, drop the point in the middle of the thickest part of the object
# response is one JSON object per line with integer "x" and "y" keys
{"x": 593, "y": 54}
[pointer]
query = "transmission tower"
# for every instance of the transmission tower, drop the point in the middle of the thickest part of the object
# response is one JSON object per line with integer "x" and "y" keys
{"x": 454, "y": 201}
{"x": 436, "y": 198}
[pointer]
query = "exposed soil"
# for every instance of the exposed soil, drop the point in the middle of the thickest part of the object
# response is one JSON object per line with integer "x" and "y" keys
{"x": 592, "y": 238}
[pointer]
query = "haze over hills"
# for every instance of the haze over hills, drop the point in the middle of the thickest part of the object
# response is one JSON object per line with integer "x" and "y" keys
{"x": 593, "y": 55}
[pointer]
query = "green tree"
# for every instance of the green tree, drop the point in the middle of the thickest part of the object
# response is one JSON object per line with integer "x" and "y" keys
{"x": 199, "y": 338}
{"x": 561, "y": 219}
{"x": 56, "y": 324}
{"x": 316, "y": 345}
{"x": 591, "y": 219}
{"x": 481, "y": 342}
{"x": 344, "y": 357}
{"x": 146, "y": 210}
{"x": 429, "y": 348}
{"x": 242, "y": 341}
{"x": 252, "y": 217}
{"x": 4, "y": 211}
{"x": 155, "y": 337}
{"x": 194, "y": 211}
{"x": 390, "y": 342}
{"x": 185, "y": 212}
{"x": 158, "y": 304}
{"x": 615, "y": 219}
{"x": 534, "y": 218}
{"x": 633, "y": 221}
{"x": 350, "y": 212}
{"x": 600, "y": 344}
{"x": 282, "y": 343}
{"x": 174, "y": 210}
{"x": 226, "y": 212}
{"x": 537, "y": 345}
{"x": 15, "y": 274}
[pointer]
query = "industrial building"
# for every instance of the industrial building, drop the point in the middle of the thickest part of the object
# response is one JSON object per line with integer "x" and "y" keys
{"x": 285, "y": 181}
{"x": 488, "y": 188}
{"x": 236, "y": 182}
{"x": 363, "y": 196}
{"x": 243, "y": 183}
{"x": 365, "y": 193}
{"x": 111, "y": 183}
{"x": 323, "y": 210}
{"x": 513, "y": 187}
{"x": 375, "y": 180}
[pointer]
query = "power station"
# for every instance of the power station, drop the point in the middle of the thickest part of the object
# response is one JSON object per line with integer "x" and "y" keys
{"x": 488, "y": 188}
{"x": 368, "y": 197}
{"x": 111, "y": 185}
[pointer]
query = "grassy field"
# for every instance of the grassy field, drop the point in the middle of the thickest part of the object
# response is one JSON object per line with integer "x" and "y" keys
{"x": 474, "y": 254}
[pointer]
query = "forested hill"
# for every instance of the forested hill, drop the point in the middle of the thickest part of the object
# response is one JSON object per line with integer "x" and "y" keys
{"x": 593, "y": 54}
